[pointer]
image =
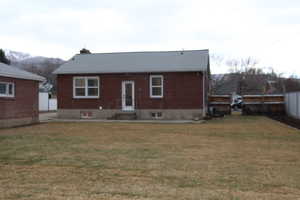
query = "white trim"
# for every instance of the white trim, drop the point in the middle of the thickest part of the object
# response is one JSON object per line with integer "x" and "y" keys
{"x": 7, "y": 90}
{"x": 124, "y": 107}
{"x": 86, "y": 87}
{"x": 161, "y": 86}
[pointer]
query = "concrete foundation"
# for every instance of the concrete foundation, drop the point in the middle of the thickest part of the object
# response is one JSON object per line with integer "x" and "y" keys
{"x": 8, "y": 123}
{"x": 143, "y": 114}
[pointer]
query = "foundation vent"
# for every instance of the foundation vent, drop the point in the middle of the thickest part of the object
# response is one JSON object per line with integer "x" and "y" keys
{"x": 156, "y": 115}
{"x": 86, "y": 115}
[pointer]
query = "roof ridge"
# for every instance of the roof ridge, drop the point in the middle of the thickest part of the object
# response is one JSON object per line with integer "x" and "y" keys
{"x": 121, "y": 52}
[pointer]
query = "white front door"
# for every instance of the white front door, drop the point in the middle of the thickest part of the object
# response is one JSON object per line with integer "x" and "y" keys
{"x": 127, "y": 95}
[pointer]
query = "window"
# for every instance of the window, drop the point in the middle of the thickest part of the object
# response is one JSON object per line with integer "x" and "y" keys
{"x": 7, "y": 89}
{"x": 156, "y": 115}
{"x": 86, "y": 87}
{"x": 156, "y": 86}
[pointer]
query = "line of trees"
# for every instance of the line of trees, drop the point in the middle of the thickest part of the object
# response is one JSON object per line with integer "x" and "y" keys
{"x": 3, "y": 58}
{"x": 246, "y": 78}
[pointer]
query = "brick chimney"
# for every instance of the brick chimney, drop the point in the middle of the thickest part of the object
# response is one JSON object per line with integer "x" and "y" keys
{"x": 85, "y": 51}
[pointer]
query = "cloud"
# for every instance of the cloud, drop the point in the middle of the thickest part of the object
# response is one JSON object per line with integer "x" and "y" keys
{"x": 267, "y": 30}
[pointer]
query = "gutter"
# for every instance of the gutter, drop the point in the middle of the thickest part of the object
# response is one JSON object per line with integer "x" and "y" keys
{"x": 25, "y": 77}
{"x": 203, "y": 95}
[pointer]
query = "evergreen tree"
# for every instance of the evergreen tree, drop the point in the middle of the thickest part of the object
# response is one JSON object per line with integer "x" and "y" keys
{"x": 3, "y": 58}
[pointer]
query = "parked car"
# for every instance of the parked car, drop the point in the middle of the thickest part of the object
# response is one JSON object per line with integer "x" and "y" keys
{"x": 237, "y": 103}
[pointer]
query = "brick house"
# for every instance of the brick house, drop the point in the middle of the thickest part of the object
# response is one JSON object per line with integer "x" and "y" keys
{"x": 138, "y": 85}
{"x": 18, "y": 96}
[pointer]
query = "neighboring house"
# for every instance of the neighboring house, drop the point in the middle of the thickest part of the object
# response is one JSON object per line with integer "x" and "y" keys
{"x": 145, "y": 85}
{"x": 18, "y": 96}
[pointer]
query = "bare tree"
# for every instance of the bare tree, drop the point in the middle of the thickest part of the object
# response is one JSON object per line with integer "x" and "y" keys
{"x": 242, "y": 65}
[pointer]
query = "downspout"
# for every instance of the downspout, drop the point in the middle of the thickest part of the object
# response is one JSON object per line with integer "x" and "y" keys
{"x": 205, "y": 74}
{"x": 203, "y": 95}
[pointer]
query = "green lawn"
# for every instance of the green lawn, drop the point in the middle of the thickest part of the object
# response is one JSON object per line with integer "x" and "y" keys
{"x": 232, "y": 158}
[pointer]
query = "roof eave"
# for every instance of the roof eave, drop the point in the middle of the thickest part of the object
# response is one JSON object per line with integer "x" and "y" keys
{"x": 40, "y": 79}
{"x": 128, "y": 72}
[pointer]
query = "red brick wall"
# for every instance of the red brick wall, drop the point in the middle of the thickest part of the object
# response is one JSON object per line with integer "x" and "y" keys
{"x": 181, "y": 91}
{"x": 24, "y": 104}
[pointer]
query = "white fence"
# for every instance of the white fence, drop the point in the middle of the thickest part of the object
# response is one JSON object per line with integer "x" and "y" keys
{"x": 52, "y": 104}
{"x": 46, "y": 104}
{"x": 292, "y": 104}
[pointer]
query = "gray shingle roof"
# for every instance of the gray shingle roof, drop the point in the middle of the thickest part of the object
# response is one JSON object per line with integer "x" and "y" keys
{"x": 13, "y": 72}
{"x": 137, "y": 62}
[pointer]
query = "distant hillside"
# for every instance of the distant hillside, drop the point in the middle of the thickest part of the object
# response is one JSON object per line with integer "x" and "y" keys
{"x": 43, "y": 66}
{"x": 24, "y": 60}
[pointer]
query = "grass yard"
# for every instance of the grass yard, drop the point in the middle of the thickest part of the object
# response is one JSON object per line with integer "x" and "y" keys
{"x": 231, "y": 158}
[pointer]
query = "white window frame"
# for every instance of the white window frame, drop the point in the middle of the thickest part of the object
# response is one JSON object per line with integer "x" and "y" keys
{"x": 86, "y": 87}
{"x": 155, "y": 86}
{"x": 7, "y": 90}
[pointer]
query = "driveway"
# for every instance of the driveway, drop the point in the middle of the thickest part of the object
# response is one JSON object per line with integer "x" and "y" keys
{"x": 47, "y": 116}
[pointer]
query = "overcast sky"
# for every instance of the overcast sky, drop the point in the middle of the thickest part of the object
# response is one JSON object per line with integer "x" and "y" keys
{"x": 268, "y": 30}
